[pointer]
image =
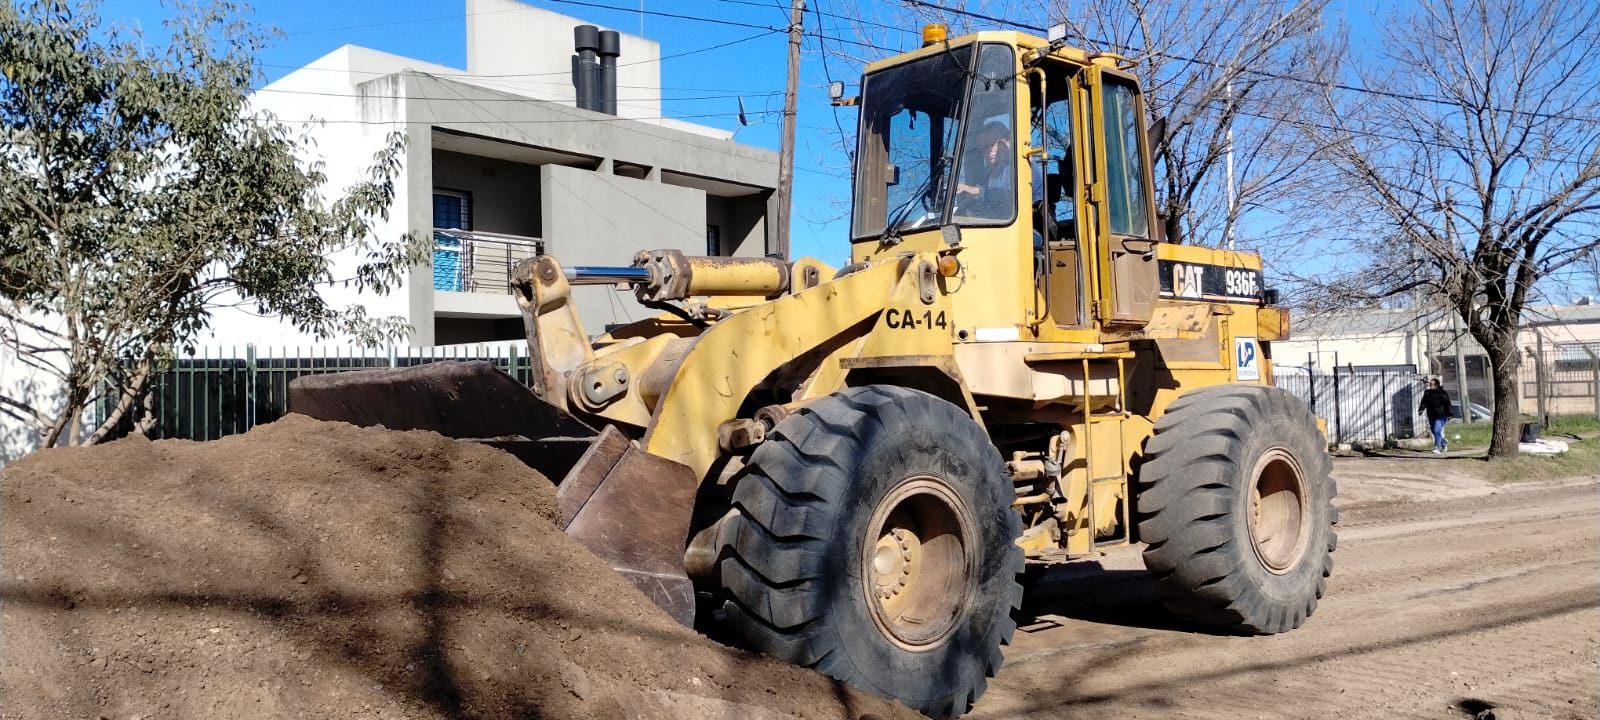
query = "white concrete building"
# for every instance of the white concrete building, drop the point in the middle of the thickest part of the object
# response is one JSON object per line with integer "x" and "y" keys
{"x": 501, "y": 163}
{"x": 1387, "y": 338}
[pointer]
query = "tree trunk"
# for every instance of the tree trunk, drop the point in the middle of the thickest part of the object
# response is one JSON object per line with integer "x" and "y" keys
{"x": 1507, "y": 415}
{"x": 67, "y": 421}
{"x": 131, "y": 392}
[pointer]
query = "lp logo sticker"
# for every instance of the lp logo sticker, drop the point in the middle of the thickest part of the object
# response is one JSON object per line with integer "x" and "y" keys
{"x": 1246, "y": 358}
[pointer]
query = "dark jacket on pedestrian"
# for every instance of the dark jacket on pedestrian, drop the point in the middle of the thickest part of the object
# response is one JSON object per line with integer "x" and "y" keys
{"x": 1435, "y": 403}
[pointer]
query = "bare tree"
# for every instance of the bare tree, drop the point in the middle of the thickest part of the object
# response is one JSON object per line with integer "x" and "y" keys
{"x": 1233, "y": 82}
{"x": 1478, "y": 158}
{"x": 1226, "y": 76}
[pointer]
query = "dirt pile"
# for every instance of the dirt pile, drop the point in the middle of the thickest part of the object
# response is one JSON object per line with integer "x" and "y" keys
{"x": 311, "y": 569}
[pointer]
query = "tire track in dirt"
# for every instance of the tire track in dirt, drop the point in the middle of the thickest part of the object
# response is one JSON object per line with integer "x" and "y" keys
{"x": 1489, "y": 601}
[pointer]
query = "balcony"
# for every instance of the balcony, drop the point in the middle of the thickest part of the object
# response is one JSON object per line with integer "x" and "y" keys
{"x": 474, "y": 261}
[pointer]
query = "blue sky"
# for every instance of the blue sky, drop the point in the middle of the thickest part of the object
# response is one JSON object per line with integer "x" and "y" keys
{"x": 698, "y": 77}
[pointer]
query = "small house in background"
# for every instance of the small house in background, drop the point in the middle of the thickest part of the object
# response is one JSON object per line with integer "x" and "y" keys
{"x": 551, "y": 140}
{"x": 1559, "y": 349}
{"x": 1361, "y": 369}
{"x": 1365, "y": 338}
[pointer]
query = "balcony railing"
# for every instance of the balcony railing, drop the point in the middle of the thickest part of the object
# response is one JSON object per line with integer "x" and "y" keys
{"x": 475, "y": 261}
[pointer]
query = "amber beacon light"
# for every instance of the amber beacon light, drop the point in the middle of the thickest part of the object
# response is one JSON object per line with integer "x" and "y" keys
{"x": 934, "y": 33}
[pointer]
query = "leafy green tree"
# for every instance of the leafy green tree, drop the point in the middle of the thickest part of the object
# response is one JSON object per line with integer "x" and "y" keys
{"x": 140, "y": 192}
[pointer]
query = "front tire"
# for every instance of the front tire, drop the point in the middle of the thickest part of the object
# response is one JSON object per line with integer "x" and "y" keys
{"x": 1237, "y": 509}
{"x": 873, "y": 540}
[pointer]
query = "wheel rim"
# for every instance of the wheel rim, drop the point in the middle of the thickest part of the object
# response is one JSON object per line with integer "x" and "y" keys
{"x": 1279, "y": 510}
{"x": 918, "y": 564}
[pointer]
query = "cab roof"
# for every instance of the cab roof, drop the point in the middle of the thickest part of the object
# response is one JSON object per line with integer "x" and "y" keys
{"x": 1022, "y": 41}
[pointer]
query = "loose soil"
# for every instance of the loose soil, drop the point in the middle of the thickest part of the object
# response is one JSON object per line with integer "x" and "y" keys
{"x": 312, "y": 569}
{"x": 1451, "y": 598}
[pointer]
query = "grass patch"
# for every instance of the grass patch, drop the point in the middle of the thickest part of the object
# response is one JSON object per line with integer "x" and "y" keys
{"x": 1583, "y": 458}
{"x": 1468, "y": 435}
{"x": 1573, "y": 424}
{"x": 1476, "y": 435}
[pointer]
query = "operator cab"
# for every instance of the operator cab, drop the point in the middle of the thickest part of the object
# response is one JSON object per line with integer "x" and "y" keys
{"x": 938, "y": 146}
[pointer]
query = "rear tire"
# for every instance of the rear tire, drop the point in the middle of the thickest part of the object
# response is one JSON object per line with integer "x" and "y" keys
{"x": 1236, "y": 506}
{"x": 873, "y": 540}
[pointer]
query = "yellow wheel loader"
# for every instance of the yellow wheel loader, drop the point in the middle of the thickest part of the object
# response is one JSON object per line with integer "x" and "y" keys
{"x": 848, "y": 468}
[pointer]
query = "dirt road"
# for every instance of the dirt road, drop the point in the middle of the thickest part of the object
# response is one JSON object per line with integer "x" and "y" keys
{"x": 1437, "y": 609}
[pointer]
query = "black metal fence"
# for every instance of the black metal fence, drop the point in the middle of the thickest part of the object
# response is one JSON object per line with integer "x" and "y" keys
{"x": 225, "y": 391}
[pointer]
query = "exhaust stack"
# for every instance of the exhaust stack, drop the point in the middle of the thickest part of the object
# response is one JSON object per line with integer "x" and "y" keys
{"x": 610, "y": 49}
{"x": 594, "y": 68}
{"x": 585, "y": 68}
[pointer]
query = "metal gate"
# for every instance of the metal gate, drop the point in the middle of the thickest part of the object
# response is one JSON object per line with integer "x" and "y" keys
{"x": 1363, "y": 406}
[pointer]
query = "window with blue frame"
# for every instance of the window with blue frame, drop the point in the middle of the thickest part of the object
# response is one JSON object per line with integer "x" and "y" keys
{"x": 451, "y": 210}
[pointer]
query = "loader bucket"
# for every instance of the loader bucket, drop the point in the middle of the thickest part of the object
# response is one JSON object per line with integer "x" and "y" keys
{"x": 632, "y": 509}
{"x": 628, "y": 507}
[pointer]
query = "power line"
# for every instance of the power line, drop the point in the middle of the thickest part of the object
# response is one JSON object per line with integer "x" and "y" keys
{"x": 658, "y": 13}
{"x": 468, "y": 76}
{"x": 611, "y": 119}
{"x": 826, "y": 71}
{"x": 559, "y": 72}
{"x": 823, "y": 37}
{"x": 1132, "y": 50}
{"x": 663, "y": 98}
{"x": 1569, "y": 158}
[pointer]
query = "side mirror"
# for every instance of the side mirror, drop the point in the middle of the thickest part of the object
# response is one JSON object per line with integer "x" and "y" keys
{"x": 1156, "y": 134}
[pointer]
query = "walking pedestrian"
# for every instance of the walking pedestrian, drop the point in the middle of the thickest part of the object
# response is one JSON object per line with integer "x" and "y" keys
{"x": 1436, "y": 404}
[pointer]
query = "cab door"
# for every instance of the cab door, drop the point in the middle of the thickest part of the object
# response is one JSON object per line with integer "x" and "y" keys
{"x": 1054, "y": 136}
{"x": 1121, "y": 191}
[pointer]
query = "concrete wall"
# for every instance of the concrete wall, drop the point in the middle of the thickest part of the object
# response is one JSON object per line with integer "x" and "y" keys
{"x": 1569, "y": 388}
{"x": 1388, "y": 349}
{"x": 741, "y": 222}
{"x": 360, "y": 113}
{"x": 527, "y": 50}
{"x": 1360, "y": 338}
{"x": 497, "y": 115}
{"x": 34, "y": 380}
{"x": 505, "y": 195}
{"x": 606, "y": 219}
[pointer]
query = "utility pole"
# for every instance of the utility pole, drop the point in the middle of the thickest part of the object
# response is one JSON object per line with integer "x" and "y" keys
{"x": 1233, "y": 198}
{"x": 797, "y": 14}
{"x": 1455, "y": 317}
{"x": 1461, "y": 367}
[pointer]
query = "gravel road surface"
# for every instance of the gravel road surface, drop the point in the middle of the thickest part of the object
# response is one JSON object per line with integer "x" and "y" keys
{"x": 1451, "y": 598}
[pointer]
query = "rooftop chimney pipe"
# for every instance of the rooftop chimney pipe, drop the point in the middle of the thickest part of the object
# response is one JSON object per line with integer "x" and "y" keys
{"x": 585, "y": 71}
{"x": 610, "y": 49}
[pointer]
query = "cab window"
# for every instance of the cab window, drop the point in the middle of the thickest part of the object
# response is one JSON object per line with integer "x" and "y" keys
{"x": 1124, "y": 163}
